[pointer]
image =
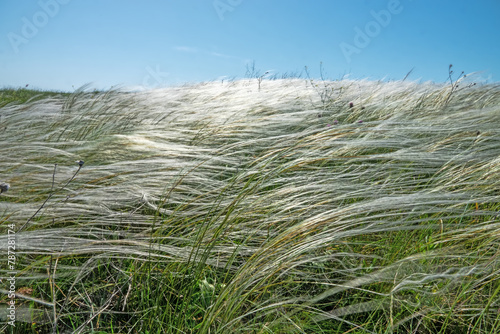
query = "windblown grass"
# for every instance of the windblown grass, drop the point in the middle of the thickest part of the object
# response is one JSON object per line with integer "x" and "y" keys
{"x": 225, "y": 208}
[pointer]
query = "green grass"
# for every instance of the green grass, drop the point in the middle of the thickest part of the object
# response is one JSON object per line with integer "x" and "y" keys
{"x": 254, "y": 206}
{"x": 24, "y": 95}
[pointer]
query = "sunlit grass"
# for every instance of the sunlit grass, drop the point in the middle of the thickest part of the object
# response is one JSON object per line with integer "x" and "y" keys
{"x": 256, "y": 207}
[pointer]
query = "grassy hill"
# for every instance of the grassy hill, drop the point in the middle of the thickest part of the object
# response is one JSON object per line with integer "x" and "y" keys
{"x": 274, "y": 206}
{"x": 24, "y": 95}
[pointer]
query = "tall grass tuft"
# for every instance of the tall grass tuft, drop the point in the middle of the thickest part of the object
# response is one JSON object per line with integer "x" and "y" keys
{"x": 255, "y": 206}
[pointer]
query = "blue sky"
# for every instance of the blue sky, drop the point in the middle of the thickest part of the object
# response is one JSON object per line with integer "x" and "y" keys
{"x": 64, "y": 44}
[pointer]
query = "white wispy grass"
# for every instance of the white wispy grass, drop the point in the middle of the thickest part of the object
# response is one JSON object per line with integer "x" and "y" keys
{"x": 284, "y": 193}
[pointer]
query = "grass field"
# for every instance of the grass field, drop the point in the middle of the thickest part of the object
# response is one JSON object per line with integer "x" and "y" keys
{"x": 253, "y": 206}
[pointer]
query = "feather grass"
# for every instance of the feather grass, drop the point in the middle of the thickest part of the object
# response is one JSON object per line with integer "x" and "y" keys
{"x": 258, "y": 207}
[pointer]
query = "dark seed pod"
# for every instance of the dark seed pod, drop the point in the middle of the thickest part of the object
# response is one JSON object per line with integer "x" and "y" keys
{"x": 4, "y": 187}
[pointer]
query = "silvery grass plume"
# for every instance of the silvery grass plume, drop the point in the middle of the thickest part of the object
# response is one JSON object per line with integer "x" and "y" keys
{"x": 225, "y": 208}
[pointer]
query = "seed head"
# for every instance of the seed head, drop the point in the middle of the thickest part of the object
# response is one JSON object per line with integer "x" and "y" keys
{"x": 4, "y": 187}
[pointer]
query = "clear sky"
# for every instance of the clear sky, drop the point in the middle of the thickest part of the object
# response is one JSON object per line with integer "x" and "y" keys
{"x": 63, "y": 44}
